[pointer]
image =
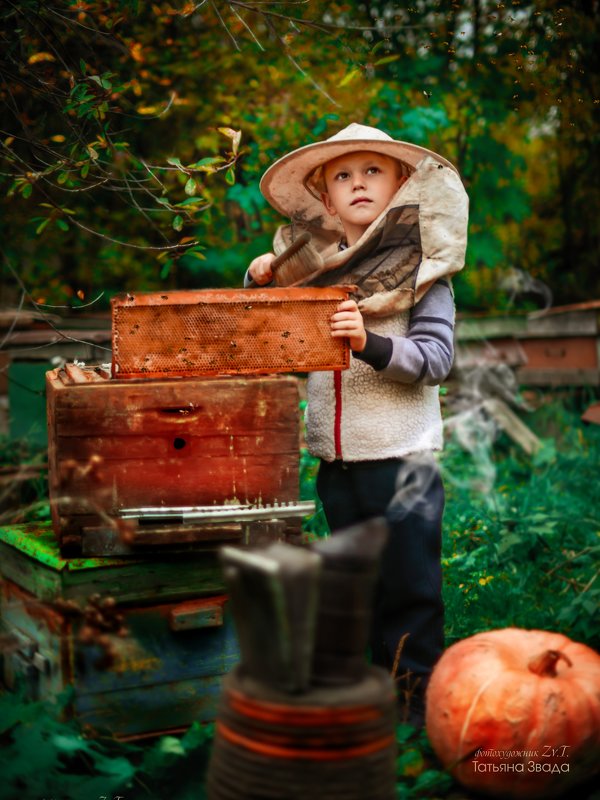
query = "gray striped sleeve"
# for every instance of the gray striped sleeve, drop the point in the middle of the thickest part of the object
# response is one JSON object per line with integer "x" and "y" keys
{"x": 426, "y": 353}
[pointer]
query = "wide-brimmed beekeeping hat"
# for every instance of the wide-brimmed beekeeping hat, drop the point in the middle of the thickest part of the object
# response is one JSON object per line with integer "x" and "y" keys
{"x": 291, "y": 185}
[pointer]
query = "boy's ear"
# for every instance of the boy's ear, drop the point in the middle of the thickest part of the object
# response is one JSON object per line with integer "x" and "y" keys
{"x": 329, "y": 207}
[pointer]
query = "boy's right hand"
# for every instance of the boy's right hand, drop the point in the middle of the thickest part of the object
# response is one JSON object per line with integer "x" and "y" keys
{"x": 260, "y": 269}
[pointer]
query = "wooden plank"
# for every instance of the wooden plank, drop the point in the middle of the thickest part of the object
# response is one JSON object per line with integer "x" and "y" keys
{"x": 279, "y": 440}
{"x": 574, "y": 322}
{"x": 171, "y": 482}
{"x": 171, "y": 707}
{"x": 510, "y": 423}
{"x": 38, "y": 567}
{"x": 107, "y": 541}
{"x": 186, "y": 397}
{"x": 168, "y": 422}
{"x": 482, "y": 327}
{"x": 155, "y": 581}
{"x": 486, "y": 353}
{"x": 195, "y": 297}
{"x": 577, "y": 352}
{"x": 78, "y": 375}
{"x": 37, "y": 578}
{"x": 163, "y": 535}
{"x": 558, "y": 377}
{"x": 49, "y": 336}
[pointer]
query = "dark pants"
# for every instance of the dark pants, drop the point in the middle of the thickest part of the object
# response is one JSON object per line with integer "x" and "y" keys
{"x": 408, "y": 597}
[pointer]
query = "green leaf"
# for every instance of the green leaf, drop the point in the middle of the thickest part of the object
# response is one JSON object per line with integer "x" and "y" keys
{"x": 166, "y": 269}
{"x": 103, "y": 82}
{"x": 27, "y": 190}
{"x": 84, "y": 170}
{"x": 189, "y": 201}
{"x": 191, "y": 187}
{"x": 178, "y": 223}
{"x": 195, "y": 254}
{"x": 230, "y": 175}
{"x": 175, "y": 162}
{"x": 70, "y": 743}
{"x": 208, "y": 164}
{"x": 546, "y": 453}
{"x": 60, "y": 223}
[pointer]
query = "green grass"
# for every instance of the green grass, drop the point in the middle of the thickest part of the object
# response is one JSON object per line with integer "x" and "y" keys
{"x": 522, "y": 550}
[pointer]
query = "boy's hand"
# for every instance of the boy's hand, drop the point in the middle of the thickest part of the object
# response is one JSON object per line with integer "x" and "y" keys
{"x": 260, "y": 269}
{"x": 348, "y": 321}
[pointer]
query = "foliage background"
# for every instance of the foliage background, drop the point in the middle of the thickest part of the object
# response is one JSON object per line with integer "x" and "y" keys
{"x": 133, "y": 134}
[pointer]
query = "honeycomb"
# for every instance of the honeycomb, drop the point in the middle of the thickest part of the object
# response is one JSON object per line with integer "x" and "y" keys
{"x": 215, "y": 332}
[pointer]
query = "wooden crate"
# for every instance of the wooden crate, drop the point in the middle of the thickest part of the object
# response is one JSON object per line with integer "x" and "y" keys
{"x": 152, "y": 663}
{"x": 226, "y": 331}
{"x": 194, "y": 441}
{"x": 558, "y": 346}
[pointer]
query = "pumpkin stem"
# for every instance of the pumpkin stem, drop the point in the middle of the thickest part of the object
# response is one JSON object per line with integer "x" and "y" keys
{"x": 544, "y": 665}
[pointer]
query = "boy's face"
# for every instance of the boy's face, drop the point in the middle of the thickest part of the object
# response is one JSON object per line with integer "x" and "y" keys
{"x": 359, "y": 186}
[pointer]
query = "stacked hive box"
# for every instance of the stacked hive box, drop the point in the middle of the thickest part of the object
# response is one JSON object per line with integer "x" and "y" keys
{"x": 151, "y": 468}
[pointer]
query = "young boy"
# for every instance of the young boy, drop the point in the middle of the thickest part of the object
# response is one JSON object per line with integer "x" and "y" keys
{"x": 389, "y": 217}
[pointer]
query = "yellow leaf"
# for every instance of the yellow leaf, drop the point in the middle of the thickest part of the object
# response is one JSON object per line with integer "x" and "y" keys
{"x": 135, "y": 50}
{"x": 410, "y": 763}
{"x": 147, "y": 109}
{"x": 235, "y": 137}
{"x": 57, "y": 138}
{"x": 386, "y": 60}
{"x": 37, "y": 57}
{"x": 349, "y": 77}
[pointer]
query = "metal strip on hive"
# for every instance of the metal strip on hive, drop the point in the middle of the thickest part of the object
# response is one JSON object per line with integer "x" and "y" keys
{"x": 226, "y": 331}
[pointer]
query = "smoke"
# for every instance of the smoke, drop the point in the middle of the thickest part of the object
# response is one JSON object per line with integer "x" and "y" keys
{"x": 517, "y": 282}
{"x": 415, "y": 476}
{"x": 475, "y": 431}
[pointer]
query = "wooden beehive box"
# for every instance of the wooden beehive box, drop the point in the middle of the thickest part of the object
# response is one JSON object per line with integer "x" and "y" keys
{"x": 226, "y": 331}
{"x": 141, "y": 643}
{"x": 116, "y": 444}
{"x": 558, "y": 346}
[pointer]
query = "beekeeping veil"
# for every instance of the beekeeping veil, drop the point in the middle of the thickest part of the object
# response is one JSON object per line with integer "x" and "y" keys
{"x": 418, "y": 238}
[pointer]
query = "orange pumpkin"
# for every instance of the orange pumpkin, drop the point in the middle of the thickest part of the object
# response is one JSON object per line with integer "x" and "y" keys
{"x": 516, "y": 713}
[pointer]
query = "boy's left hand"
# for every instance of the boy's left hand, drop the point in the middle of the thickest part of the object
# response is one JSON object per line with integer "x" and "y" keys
{"x": 348, "y": 321}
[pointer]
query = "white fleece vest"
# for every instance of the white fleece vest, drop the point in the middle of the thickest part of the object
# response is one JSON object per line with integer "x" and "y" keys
{"x": 377, "y": 417}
